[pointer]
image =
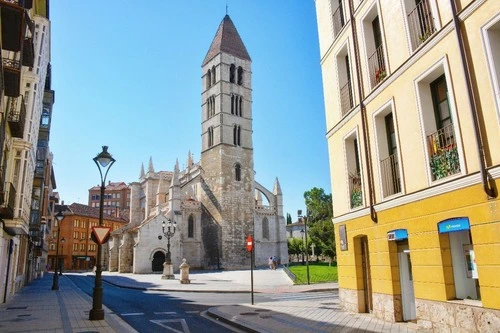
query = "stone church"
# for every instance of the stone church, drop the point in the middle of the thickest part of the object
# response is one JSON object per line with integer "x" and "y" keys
{"x": 216, "y": 202}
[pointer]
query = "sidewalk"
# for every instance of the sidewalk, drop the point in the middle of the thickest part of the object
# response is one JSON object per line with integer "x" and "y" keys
{"x": 38, "y": 308}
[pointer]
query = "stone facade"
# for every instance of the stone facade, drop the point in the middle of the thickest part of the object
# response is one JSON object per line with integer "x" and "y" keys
{"x": 215, "y": 203}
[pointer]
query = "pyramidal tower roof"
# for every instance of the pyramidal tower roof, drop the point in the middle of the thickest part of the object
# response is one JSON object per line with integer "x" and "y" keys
{"x": 227, "y": 40}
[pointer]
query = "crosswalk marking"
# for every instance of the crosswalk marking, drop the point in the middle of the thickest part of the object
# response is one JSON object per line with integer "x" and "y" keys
{"x": 167, "y": 313}
{"x": 182, "y": 322}
{"x": 133, "y": 314}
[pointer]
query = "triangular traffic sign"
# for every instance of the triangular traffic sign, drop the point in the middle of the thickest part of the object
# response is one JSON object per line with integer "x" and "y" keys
{"x": 101, "y": 234}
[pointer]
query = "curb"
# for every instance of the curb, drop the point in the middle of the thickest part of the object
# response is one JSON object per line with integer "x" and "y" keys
{"x": 218, "y": 316}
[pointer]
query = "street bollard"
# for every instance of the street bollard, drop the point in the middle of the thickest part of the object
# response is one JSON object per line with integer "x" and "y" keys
{"x": 184, "y": 267}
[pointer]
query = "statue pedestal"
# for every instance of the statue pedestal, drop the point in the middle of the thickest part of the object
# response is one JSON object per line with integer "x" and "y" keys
{"x": 168, "y": 271}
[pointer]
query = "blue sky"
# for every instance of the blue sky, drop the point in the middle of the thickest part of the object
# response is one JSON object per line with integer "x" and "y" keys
{"x": 128, "y": 75}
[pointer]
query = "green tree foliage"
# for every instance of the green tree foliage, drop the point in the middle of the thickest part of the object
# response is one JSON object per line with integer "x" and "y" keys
{"x": 320, "y": 226}
{"x": 288, "y": 218}
{"x": 295, "y": 247}
{"x": 319, "y": 205}
{"x": 323, "y": 237}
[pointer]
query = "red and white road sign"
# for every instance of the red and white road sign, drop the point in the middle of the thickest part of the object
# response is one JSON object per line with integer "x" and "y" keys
{"x": 101, "y": 234}
{"x": 249, "y": 243}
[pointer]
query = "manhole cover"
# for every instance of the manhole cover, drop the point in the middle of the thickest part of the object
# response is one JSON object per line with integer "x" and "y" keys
{"x": 249, "y": 313}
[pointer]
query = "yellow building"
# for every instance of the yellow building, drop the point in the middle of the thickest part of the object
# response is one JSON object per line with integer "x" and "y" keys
{"x": 412, "y": 101}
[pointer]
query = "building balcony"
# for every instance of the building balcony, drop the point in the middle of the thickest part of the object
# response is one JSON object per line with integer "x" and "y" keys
{"x": 16, "y": 115}
{"x": 12, "y": 16}
{"x": 421, "y": 24}
{"x": 346, "y": 102}
{"x": 8, "y": 201}
{"x": 11, "y": 76}
{"x": 355, "y": 190}
{"x": 391, "y": 181}
{"x": 28, "y": 52}
{"x": 443, "y": 154}
{"x": 377, "y": 67}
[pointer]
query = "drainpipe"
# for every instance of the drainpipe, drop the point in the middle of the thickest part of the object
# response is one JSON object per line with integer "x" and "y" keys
{"x": 488, "y": 184}
{"x": 364, "y": 122}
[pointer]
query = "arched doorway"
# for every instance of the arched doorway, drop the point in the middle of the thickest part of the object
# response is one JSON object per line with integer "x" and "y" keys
{"x": 158, "y": 260}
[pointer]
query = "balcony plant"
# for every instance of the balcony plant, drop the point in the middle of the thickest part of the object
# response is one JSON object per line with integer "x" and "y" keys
{"x": 445, "y": 162}
{"x": 423, "y": 37}
{"x": 380, "y": 75}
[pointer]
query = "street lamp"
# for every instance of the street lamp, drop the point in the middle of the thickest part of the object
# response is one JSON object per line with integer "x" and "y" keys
{"x": 55, "y": 280}
{"x": 104, "y": 161}
{"x": 302, "y": 234}
{"x": 61, "y": 266}
{"x": 304, "y": 218}
{"x": 168, "y": 272}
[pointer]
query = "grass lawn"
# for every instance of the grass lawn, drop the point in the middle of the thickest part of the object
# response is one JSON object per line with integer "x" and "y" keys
{"x": 318, "y": 272}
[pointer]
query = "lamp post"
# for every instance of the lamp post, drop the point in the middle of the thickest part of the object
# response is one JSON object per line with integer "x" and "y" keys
{"x": 302, "y": 234}
{"x": 55, "y": 280}
{"x": 304, "y": 218}
{"x": 168, "y": 272}
{"x": 104, "y": 161}
{"x": 61, "y": 266}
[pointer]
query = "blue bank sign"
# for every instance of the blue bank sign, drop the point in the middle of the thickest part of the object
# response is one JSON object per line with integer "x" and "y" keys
{"x": 398, "y": 234}
{"x": 454, "y": 224}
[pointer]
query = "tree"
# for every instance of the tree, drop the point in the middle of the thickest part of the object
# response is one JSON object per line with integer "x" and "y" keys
{"x": 319, "y": 222}
{"x": 319, "y": 205}
{"x": 294, "y": 247}
{"x": 323, "y": 237}
{"x": 288, "y": 218}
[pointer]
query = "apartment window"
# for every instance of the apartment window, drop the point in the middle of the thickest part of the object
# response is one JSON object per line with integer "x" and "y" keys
{"x": 354, "y": 183}
{"x": 345, "y": 83}
{"x": 232, "y": 70}
{"x": 374, "y": 47}
{"x": 240, "y": 75}
{"x": 75, "y": 223}
{"x": 337, "y": 17}
{"x": 44, "y": 121}
{"x": 437, "y": 119}
{"x": 191, "y": 226}
{"x": 82, "y": 247}
{"x": 52, "y": 246}
{"x": 491, "y": 38}
{"x": 237, "y": 172}
{"x": 236, "y": 105}
{"x": 420, "y": 21}
{"x": 118, "y": 195}
{"x": 387, "y": 147}
{"x": 237, "y": 135}
{"x": 75, "y": 247}
{"x": 210, "y": 136}
{"x": 265, "y": 228}
{"x": 75, "y": 234}
{"x": 84, "y": 235}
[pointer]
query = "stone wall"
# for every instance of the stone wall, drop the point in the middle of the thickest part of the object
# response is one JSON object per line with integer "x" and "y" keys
{"x": 456, "y": 316}
{"x": 114, "y": 243}
{"x": 387, "y": 307}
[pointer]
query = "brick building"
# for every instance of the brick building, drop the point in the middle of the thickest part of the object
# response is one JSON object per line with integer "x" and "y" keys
{"x": 77, "y": 251}
{"x": 116, "y": 199}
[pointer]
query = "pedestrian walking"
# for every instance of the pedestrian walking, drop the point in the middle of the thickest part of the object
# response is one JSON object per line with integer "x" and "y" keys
{"x": 275, "y": 262}
{"x": 270, "y": 262}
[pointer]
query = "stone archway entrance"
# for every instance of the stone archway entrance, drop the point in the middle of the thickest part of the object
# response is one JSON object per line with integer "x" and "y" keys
{"x": 158, "y": 260}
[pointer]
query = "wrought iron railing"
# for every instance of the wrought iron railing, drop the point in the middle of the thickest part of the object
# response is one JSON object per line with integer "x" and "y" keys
{"x": 355, "y": 190}
{"x": 391, "y": 181}
{"x": 7, "y": 207}
{"x": 377, "y": 67}
{"x": 338, "y": 21}
{"x": 420, "y": 23}
{"x": 443, "y": 154}
{"x": 346, "y": 101}
{"x": 16, "y": 115}
{"x": 11, "y": 63}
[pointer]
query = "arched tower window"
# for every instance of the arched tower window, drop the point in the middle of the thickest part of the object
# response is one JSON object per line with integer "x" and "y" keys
{"x": 191, "y": 226}
{"x": 236, "y": 104}
{"x": 232, "y": 70}
{"x": 240, "y": 106}
{"x": 232, "y": 104}
{"x": 237, "y": 172}
{"x": 209, "y": 79}
{"x": 210, "y": 136}
{"x": 213, "y": 75}
{"x": 265, "y": 228}
{"x": 237, "y": 135}
{"x": 211, "y": 106}
{"x": 240, "y": 75}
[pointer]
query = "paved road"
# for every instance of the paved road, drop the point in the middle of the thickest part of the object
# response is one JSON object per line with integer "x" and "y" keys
{"x": 153, "y": 311}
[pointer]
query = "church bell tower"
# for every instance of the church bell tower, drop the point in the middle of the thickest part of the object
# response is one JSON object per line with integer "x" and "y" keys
{"x": 227, "y": 148}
